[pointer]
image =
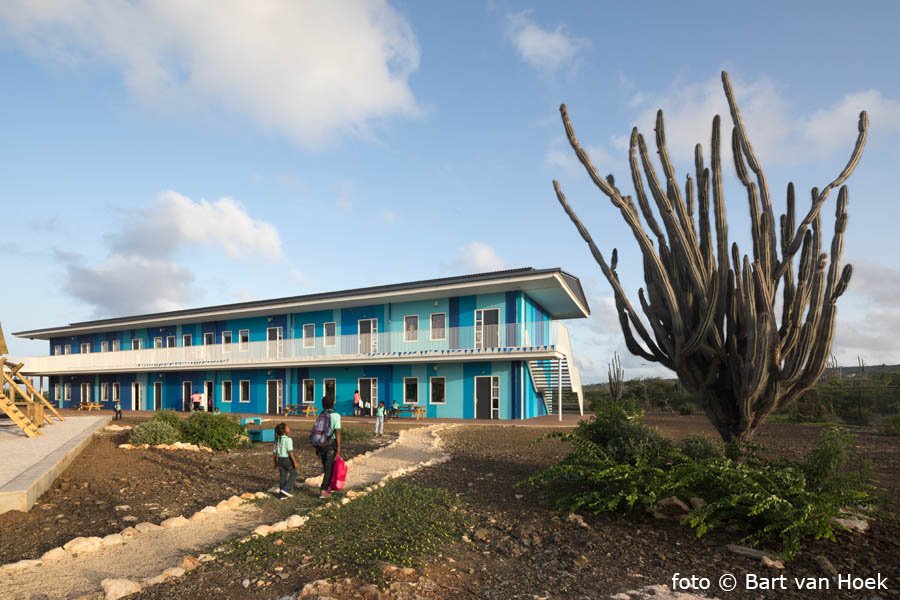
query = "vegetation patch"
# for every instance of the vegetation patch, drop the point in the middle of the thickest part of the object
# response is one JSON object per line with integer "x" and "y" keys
{"x": 216, "y": 431}
{"x": 891, "y": 426}
{"x": 155, "y": 432}
{"x": 619, "y": 465}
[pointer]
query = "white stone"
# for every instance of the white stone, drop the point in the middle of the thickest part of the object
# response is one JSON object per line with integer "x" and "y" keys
{"x": 209, "y": 510}
{"x": 146, "y": 527}
{"x": 112, "y": 539}
{"x": 119, "y": 588}
{"x": 279, "y": 526}
{"x": 261, "y": 495}
{"x": 852, "y": 523}
{"x": 126, "y": 446}
{"x": 83, "y": 545}
{"x": 197, "y": 516}
{"x": 294, "y": 521}
{"x": 206, "y": 558}
{"x": 122, "y": 507}
{"x": 263, "y": 530}
{"x": 173, "y": 572}
{"x": 154, "y": 580}
{"x": 129, "y": 518}
{"x": 223, "y": 505}
{"x": 174, "y": 522}
{"x": 22, "y": 564}
{"x": 54, "y": 554}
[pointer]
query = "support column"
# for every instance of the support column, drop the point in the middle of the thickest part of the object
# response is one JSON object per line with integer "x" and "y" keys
{"x": 559, "y": 386}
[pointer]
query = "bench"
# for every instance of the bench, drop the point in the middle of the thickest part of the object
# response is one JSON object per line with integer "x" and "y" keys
{"x": 311, "y": 411}
{"x": 89, "y": 406}
{"x": 414, "y": 411}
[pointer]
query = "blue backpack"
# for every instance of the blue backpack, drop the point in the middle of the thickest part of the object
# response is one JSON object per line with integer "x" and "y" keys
{"x": 321, "y": 432}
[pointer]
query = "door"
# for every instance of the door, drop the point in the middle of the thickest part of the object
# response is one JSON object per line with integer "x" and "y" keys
{"x": 368, "y": 336}
{"x": 368, "y": 392}
{"x": 210, "y": 399}
{"x": 86, "y": 393}
{"x": 136, "y": 400}
{"x": 187, "y": 389}
{"x": 274, "y": 391}
{"x": 329, "y": 388}
{"x": 487, "y": 328}
{"x": 274, "y": 342}
{"x": 157, "y": 395}
{"x": 487, "y": 397}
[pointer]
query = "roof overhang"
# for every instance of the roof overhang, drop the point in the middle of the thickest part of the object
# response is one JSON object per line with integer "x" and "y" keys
{"x": 557, "y": 292}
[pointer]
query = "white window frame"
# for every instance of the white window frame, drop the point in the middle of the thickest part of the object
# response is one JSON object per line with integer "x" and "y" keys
{"x": 211, "y": 336}
{"x": 242, "y": 345}
{"x": 325, "y": 387}
{"x": 405, "y": 400}
{"x": 67, "y": 392}
{"x": 137, "y": 341}
{"x": 104, "y": 346}
{"x": 57, "y": 392}
{"x": 303, "y": 398}
{"x": 431, "y": 390}
{"x": 407, "y": 331}
{"x": 84, "y": 348}
{"x": 116, "y": 345}
{"x": 309, "y": 341}
{"x": 170, "y": 341}
{"x": 227, "y": 340}
{"x": 332, "y": 337}
{"x": 241, "y": 399}
{"x": 67, "y": 349}
{"x": 104, "y": 392}
{"x": 85, "y": 386}
{"x": 226, "y": 398}
{"x": 116, "y": 391}
{"x": 431, "y": 327}
{"x": 57, "y": 350}
{"x": 187, "y": 340}
{"x": 157, "y": 342}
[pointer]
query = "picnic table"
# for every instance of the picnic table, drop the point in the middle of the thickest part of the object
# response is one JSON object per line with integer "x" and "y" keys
{"x": 311, "y": 410}
{"x": 89, "y": 406}
{"x": 414, "y": 411}
{"x": 291, "y": 409}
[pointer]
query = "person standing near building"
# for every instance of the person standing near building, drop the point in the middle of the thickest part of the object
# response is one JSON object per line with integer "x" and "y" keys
{"x": 196, "y": 400}
{"x": 357, "y": 404}
{"x": 285, "y": 461}
{"x": 118, "y": 407}
{"x": 379, "y": 419}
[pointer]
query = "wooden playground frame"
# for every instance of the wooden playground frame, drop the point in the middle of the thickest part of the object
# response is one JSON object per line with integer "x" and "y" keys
{"x": 31, "y": 400}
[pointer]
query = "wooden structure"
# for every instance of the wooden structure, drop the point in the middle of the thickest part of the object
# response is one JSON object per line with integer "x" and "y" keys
{"x": 25, "y": 407}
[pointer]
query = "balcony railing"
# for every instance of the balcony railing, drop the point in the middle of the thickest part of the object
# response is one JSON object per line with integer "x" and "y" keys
{"x": 451, "y": 341}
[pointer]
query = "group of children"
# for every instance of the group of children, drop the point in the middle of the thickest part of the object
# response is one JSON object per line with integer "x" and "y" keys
{"x": 326, "y": 439}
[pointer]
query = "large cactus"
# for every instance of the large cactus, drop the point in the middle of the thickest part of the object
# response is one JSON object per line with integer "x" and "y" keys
{"x": 711, "y": 312}
{"x": 616, "y": 375}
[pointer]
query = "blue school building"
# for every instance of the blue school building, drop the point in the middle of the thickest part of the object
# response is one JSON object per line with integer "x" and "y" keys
{"x": 485, "y": 346}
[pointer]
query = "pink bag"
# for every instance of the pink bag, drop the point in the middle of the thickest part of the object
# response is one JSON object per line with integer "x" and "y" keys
{"x": 338, "y": 474}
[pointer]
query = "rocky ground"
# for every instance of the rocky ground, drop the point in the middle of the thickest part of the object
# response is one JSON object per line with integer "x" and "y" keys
{"x": 514, "y": 547}
{"x": 152, "y": 484}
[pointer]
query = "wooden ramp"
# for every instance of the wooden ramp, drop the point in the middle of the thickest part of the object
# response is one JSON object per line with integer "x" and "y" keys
{"x": 13, "y": 412}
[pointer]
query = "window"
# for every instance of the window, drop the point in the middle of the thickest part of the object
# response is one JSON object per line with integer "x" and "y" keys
{"x": 410, "y": 390}
{"x": 209, "y": 339}
{"x": 170, "y": 341}
{"x": 68, "y": 392}
{"x": 104, "y": 346}
{"x": 57, "y": 392}
{"x": 243, "y": 339}
{"x": 411, "y": 328}
{"x": 187, "y": 340}
{"x": 157, "y": 342}
{"x": 309, "y": 335}
{"x": 116, "y": 345}
{"x": 67, "y": 349}
{"x": 244, "y": 391}
{"x": 438, "y": 390}
{"x": 226, "y": 391}
{"x": 104, "y": 392}
{"x": 57, "y": 350}
{"x": 85, "y": 348}
{"x": 309, "y": 391}
{"x": 226, "y": 340}
{"x": 328, "y": 388}
{"x": 330, "y": 331}
{"x": 137, "y": 343}
{"x": 439, "y": 326}
{"x": 115, "y": 392}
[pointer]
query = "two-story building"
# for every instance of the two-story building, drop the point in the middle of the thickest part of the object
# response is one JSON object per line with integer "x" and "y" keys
{"x": 486, "y": 346}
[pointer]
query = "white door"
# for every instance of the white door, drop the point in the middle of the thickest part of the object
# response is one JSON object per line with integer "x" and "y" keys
{"x": 136, "y": 400}
{"x": 368, "y": 336}
{"x": 487, "y": 328}
{"x": 274, "y": 342}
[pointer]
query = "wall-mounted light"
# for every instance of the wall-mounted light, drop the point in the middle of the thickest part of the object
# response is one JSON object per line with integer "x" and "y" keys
{"x": 435, "y": 302}
{"x": 435, "y": 367}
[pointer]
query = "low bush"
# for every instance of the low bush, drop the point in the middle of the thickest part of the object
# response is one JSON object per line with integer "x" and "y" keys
{"x": 891, "y": 425}
{"x": 171, "y": 417}
{"x": 155, "y": 432}
{"x": 619, "y": 465}
{"x": 216, "y": 431}
{"x": 688, "y": 408}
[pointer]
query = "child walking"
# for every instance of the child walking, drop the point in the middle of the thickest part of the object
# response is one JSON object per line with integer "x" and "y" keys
{"x": 379, "y": 419}
{"x": 332, "y": 445}
{"x": 118, "y": 407}
{"x": 285, "y": 461}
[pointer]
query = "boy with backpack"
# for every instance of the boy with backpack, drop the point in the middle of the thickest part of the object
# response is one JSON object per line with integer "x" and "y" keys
{"x": 326, "y": 439}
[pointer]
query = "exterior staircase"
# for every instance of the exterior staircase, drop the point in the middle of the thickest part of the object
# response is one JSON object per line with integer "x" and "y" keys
{"x": 552, "y": 375}
{"x": 17, "y": 417}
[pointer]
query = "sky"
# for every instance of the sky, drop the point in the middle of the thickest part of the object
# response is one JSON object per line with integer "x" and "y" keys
{"x": 166, "y": 154}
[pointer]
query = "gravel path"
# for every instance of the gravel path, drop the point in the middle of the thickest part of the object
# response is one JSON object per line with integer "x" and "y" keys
{"x": 148, "y": 554}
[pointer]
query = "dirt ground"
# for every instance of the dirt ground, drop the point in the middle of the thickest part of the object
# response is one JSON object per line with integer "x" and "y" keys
{"x": 517, "y": 548}
{"x": 154, "y": 484}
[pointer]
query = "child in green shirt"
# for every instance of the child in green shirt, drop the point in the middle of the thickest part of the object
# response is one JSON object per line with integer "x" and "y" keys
{"x": 379, "y": 419}
{"x": 285, "y": 461}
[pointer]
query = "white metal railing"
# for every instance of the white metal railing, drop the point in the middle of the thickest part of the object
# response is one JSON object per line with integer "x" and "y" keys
{"x": 512, "y": 337}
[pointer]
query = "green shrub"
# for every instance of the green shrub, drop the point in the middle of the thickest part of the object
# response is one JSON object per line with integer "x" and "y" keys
{"x": 171, "y": 417}
{"x": 698, "y": 447}
{"x": 688, "y": 408}
{"x": 216, "y": 431}
{"x": 891, "y": 425}
{"x": 857, "y": 416}
{"x": 155, "y": 432}
{"x": 618, "y": 465}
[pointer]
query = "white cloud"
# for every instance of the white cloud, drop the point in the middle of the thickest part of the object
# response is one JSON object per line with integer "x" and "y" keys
{"x": 143, "y": 271}
{"x": 868, "y": 322}
{"x": 389, "y": 216}
{"x": 299, "y": 277}
{"x": 833, "y": 128}
{"x": 311, "y": 70}
{"x": 476, "y": 257}
{"x": 548, "y": 51}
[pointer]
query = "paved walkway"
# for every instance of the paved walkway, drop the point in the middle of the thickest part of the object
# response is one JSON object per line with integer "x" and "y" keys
{"x": 148, "y": 554}
{"x": 30, "y": 465}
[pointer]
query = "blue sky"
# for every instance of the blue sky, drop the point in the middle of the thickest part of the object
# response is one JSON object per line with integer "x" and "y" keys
{"x": 164, "y": 154}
